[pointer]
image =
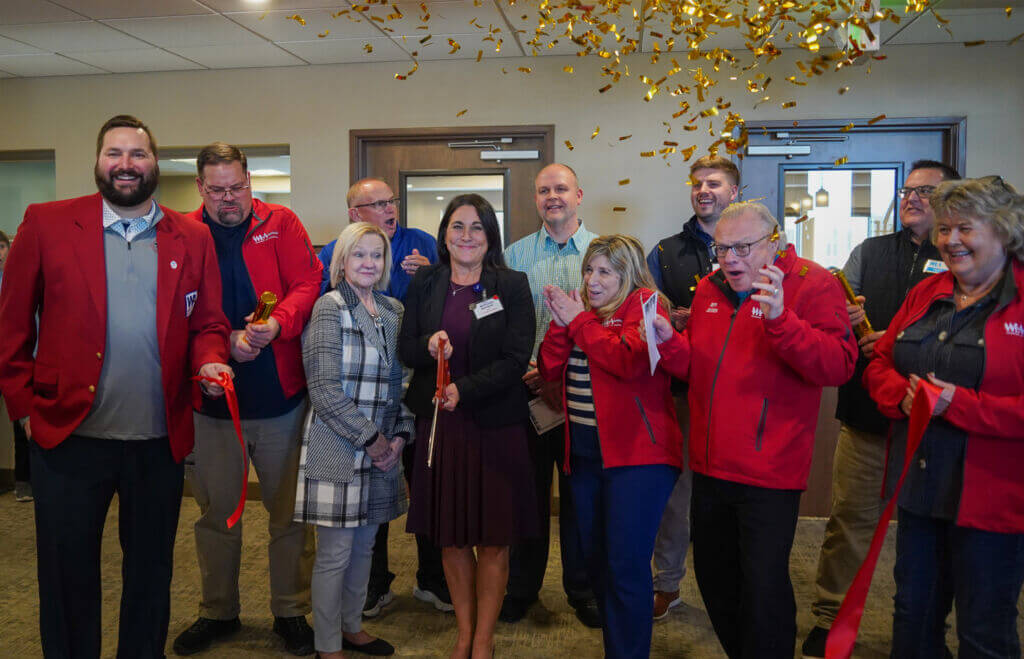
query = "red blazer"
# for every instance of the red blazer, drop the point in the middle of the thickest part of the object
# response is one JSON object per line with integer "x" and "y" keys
{"x": 755, "y": 384}
{"x": 636, "y": 417}
{"x": 56, "y": 268}
{"x": 992, "y": 492}
{"x": 280, "y": 259}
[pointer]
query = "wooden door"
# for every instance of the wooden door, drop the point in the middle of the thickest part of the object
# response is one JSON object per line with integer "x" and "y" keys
{"x": 395, "y": 154}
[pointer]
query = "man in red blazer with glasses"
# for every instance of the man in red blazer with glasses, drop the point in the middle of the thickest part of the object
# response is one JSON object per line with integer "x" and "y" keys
{"x": 127, "y": 295}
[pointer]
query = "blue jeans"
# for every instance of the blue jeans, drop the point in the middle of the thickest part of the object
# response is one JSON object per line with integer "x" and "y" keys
{"x": 938, "y": 562}
{"x": 618, "y": 511}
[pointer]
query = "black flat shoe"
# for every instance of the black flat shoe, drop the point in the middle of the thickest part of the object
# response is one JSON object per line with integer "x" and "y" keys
{"x": 378, "y": 647}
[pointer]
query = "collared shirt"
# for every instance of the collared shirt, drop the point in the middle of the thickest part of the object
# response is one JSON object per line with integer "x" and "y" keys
{"x": 546, "y": 262}
{"x": 129, "y": 227}
{"x": 402, "y": 243}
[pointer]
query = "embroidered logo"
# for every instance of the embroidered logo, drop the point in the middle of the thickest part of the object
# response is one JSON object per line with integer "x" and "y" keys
{"x": 712, "y": 308}
{"x": 263, "y": 237}
{"x": 190, "y": 302}
{"x": 755, "y": 311}
{"x": 613, "y": 322}
{"x": 1014, "y": 329}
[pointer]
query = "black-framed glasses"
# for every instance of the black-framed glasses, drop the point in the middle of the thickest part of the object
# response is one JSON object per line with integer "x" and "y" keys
{"x": 219, "y": 193}
{"x": 379, "y": 206}
{"x": 923, "y": 191}
{"x": 739, "y": 249}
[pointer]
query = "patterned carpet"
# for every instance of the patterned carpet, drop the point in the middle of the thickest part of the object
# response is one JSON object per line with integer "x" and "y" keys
{"x": 549, "y": 630}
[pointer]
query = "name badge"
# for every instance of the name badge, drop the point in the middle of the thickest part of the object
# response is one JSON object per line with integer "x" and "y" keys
{"x": 485, "y": 308}
{"x": 932, "y": 266}
{"x": 190, "y": 302}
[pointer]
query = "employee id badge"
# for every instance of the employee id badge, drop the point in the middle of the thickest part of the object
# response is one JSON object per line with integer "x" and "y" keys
{"x": 933, "y": 266}
{"x": 485, "y": 308}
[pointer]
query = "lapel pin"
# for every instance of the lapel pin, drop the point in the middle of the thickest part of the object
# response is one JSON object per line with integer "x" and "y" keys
{"x": 174, "y": 265}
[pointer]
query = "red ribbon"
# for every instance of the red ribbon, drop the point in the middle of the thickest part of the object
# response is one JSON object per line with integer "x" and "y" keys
{"x": 844, "y": 630}
{"x": 444, "y": 376}
{"x": 225, "y": 381}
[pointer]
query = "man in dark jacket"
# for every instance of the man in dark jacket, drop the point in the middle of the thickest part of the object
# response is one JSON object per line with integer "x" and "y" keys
{"x": 678, "y": 263}
{"x": 881, "y": 271}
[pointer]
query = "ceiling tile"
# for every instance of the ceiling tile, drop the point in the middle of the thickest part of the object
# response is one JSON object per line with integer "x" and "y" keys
{"x": 271, "y": 5}
{"x": 71, "y": 37}
{"x": 186, "y": 31}
{"x": 965, "y": 24}
{"x": 133, "y": 61}
{"x": 446, "y": 17}
{"x": 5, "y": 74}
{"x": 276, "y": 26}
{"x": 16, "y": 12}
{"x": 10, "y": 47}
{"x": 99, "y": 9}
{"x": 44, "y": 65}
{"x": 438, "y": 47}
{"x": 339, "y": 51}
{"x": 239, "y": 56}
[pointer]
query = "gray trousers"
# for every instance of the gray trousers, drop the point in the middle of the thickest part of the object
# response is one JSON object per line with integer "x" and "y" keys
{"x": 340, "y": 575}
{"x": 857, "y": 472}
{"x": 673, "y": 539}
{"x": 273, "y": 446}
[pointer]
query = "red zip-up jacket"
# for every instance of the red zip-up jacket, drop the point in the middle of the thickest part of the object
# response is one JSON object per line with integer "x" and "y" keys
{"x": 992, "y": 492}
{"x": 636, "y": 418}
{"x": 280, "y": 259}
{"x": 755, "y": 384}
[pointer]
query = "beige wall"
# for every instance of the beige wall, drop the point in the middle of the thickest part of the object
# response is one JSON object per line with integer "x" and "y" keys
{"x": 312, "y": 109}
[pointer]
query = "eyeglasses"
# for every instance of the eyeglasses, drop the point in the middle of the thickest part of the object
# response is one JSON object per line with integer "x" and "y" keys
{"x": 923, "y": 191}
{"x": 739, "y": 249}
{"x": 379, "y": 206}
{"x": 219, "y": 193}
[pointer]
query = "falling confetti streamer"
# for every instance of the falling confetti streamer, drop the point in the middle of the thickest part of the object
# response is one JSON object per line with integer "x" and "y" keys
{"x": 597, "y": 129}
{"x": 324, "y": 34}
{"x": 803, "y": 218}
{"x": 298, "y": 19}
{"x": 841, "y": 161}
{"x": 619, "y": 209}
{"x": 847, "y": 128}
{"x": 569, "y": 145}
{"x": 872, "y": 122}
{"x": 461, "y": 112}
{"x": 971, "y": 44}
{"x": 624, "y": 181}
{"x": 623, "y": 138}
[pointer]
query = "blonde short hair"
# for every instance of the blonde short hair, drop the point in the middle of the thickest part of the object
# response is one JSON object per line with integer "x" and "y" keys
{"x": 989, "y": 200}
{"x": 347, "y": 240}
{"x": 626, "y": 256}
{"x": 758, "y": 210}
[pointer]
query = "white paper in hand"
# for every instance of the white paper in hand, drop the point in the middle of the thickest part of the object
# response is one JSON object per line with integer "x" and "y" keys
{"x": 650, "y": 308}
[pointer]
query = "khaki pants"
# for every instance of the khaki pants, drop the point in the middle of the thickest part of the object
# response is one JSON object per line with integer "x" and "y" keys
{"x": 273, "y": 445}
{"x": 857, "y": 473}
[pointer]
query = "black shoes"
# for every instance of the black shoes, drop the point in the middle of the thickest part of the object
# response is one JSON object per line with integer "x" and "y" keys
{"x": 297, "y": 635}
{"x": 588, "y": 613}
{"x": 202, "y": 633}
{"x": 513, "y": 609}
{"x": 378, "y": 647}
{"x": 814, "y": 644}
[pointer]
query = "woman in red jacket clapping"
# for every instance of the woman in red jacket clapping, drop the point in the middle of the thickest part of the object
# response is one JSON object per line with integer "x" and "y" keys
{"x": 623, "y": 444}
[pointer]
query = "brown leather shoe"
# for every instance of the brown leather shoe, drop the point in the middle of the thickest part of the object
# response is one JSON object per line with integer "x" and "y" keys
{"x": 663, "y": 601}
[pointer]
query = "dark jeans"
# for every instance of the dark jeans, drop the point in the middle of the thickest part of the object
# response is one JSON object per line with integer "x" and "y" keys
{"x": 742, "y": 536}
{"x": 21, "y": 460}
{"x": 618, "y": 511}
{"x": 73, "y": 484}
{"x": 429, "y": 571}
{"x": 938, "y": 562}
{"x": 529, "y": 560}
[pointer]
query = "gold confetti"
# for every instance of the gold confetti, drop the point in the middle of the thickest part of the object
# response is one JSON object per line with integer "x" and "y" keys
{"x": 461, "y": 112}
{"x": 788, "y": 104}
{"x": 298, "y": 19}
{"x": 872, "y": 122}
{"x": 847, "y": 128}
{"x": 324, "y": 34}
{"x": 426, "y": 38}
{"x": 368, "y": 48}
{"x": 569, "y": 145}
{"x": 969, "y": 44}
{"x": 688, "y": 151}
{"x": 568, "y": 69}
{"x": 525, "y": 69}
{"x": 604, "y": 89}
{"x": 597, "y": 129}
{"x": 619, "y": 209}
{"x": 624, "y": 181}
{"x": 667, "y": 143}
{"x": 841, "y": 161}
{"x": 843, "y": 90}
{"x": 802, "y": 219}
{"x": 646, "y": 154}
{"x": 479, "y": 55}
{"x": 455, "y": 46}
{"x": 623, "y": 138}
{"x": 1009, "y": 10}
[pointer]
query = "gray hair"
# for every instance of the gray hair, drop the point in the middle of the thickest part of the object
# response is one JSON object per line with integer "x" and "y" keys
{"x": 758, "y": 210}
{"x": 347, "y": 240}
{"x": 989, "y": 200}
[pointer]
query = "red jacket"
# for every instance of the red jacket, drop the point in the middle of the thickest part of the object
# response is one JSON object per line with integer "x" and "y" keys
{"x": 280, "y": 259}
{"x": 636, "y": 418}
{"x": 755, "y": 384}
{"x": 992, "y": 492}
{"x": 56, "y": 268}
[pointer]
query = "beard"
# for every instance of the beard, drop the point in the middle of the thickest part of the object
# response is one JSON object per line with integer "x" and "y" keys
{"x": 142, "y": 192}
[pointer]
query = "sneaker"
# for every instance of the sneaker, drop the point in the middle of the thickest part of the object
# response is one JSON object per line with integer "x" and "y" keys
{"x": 814, "y": 644}
{"x": 513, "y": 609}
{"x": 439, "y": 597}
{"x": 297, "y": 634}
{"x": 23, "y": 491}
{"x": 203, "y": 633}
{"x": 665, "y": 600}
{"x": 375, "y": 601}
{"x": 588, "y": 614}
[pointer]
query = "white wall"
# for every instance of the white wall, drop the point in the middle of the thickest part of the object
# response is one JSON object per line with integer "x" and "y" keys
{"x": 313, "y": 108}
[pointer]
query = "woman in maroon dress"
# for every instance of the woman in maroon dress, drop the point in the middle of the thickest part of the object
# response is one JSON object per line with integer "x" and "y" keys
{"x": 478, "y": 492}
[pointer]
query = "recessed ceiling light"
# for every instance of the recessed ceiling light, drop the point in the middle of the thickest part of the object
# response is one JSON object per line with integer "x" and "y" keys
{"x": 440, "y": 198}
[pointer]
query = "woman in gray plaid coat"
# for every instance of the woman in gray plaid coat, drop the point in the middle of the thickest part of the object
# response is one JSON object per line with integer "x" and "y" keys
{"x": 350, "y": 478}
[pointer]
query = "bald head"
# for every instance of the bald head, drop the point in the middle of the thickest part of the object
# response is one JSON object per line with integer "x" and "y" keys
{"x": 558, "y": 194}
{"x": 368, "y": 201}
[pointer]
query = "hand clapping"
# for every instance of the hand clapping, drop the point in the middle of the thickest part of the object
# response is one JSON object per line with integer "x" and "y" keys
{"x": 564, "y": 306}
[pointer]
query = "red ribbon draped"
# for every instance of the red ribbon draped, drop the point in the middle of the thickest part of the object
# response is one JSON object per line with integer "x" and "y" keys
{"x": 444, "y": 376}
{"x": 844, "y": 630}
{"x": 225, "y": 381}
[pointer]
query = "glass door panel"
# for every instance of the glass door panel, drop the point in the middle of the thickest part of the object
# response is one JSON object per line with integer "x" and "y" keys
{"x": 425, "y": 196}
